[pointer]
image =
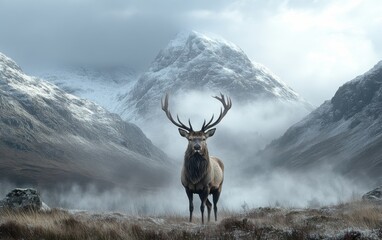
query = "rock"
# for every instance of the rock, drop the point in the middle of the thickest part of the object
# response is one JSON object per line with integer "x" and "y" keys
{"x": 23, "y": 199}
{"x": 374, "y": 195}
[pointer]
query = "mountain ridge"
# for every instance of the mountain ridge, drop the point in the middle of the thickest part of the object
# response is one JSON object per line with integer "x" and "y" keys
{"x": 47, "y": 133}
{"x": 344, "y": 132}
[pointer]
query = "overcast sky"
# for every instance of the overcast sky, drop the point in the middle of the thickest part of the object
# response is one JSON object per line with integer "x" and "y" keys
{"x": 314, "y": 46}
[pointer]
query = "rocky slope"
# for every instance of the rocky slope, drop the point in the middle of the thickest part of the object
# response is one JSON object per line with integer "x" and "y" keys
{"x": 50, "y": 137}
{"x": 344, "y": 132}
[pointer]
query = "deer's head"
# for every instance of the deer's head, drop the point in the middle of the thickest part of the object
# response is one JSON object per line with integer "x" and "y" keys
{"x": 197, "y": 139}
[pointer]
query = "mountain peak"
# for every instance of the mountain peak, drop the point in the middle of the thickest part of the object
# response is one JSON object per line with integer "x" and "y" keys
{"x": 196, "y": 62}
{"x": 207, "y": 41}
{"x": 191, "y": 46}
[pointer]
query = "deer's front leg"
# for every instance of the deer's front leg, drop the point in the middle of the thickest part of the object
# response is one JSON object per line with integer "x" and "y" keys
{"x": 190, "y": 200}
{"x": 203, "y": 198}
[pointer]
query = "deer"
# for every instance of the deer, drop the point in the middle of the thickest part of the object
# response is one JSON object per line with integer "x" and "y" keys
{"x": 201, "y": 173}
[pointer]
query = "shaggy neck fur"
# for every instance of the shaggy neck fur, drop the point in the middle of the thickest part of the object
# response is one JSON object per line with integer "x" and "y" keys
{"x": 196, "y": 164}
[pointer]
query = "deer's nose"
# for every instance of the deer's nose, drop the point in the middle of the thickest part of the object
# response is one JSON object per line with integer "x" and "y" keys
{"x": 197, "y": 147}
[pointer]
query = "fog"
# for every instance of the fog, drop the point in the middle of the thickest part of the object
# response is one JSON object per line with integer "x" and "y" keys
{"x": 249, "y": 182}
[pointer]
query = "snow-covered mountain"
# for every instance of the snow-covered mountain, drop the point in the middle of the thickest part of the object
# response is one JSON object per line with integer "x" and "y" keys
{"x": 344, "y": 132}
{"x": 193, "y": 61}
{"x": 100, "y": 84}
{"x": 192, "y": 67}
{"x": 50, "y": 137}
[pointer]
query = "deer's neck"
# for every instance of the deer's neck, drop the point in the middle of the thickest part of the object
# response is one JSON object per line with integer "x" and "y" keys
{"x": 196, "y": 165}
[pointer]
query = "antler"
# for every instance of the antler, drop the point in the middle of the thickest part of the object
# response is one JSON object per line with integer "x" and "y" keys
{"x": 169, "y": 116}
{"x": 227, "y": 104}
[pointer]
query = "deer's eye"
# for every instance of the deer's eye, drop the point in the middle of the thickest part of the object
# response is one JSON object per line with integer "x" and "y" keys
{"x": 203, "y": 139}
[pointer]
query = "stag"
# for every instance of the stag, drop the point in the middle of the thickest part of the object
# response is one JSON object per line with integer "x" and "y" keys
{"x": 201, "y": 174}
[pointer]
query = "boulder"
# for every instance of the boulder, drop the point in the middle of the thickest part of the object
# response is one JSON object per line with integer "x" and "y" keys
{"x": 374, "y": 195}
{"x": 23, "y": 199}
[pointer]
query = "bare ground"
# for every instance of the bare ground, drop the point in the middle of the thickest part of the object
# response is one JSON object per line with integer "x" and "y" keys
{"x": 356, "y": 220}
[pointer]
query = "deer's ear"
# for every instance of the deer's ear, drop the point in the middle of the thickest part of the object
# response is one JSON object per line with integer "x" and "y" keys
{"x": 183, "y": 133}
{"x": 210, "y": 132}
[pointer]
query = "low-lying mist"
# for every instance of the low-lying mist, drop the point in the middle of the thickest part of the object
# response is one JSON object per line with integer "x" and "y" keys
{"x": 247, "y": 128}
{"x": 282, "y": 189}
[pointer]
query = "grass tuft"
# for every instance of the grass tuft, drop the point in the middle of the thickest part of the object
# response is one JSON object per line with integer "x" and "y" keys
{"x": 232, "y": 224}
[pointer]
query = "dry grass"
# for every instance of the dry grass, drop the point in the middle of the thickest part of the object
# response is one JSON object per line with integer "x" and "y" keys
{"x": 356, "y": 220}
{"x": 362, "y": 215}
{"x": 58, "y": 224}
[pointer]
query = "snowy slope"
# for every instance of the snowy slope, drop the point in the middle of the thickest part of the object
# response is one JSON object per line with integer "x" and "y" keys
{"x": 102, "y": 85}
{"x": 345, "y": 132}
{"x": 49, "y": 137}
{"x": 193, "y": 61}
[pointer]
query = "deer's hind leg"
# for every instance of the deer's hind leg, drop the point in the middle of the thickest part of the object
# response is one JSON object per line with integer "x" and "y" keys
{"x": 215, "y": 199}
{"x": 209, "y": 207}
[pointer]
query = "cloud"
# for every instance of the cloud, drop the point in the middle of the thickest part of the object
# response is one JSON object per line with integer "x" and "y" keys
{"x": 80, "y": 32}
{"x": 330, "y": 46}
{"x": 314, "y": 46}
